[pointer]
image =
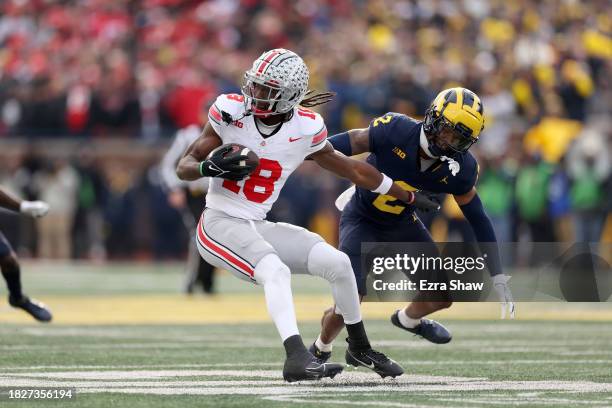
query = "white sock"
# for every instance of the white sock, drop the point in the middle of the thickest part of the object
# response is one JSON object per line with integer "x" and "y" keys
{"x": 407, "y": 321}
{"x": 335, "y": 267}
{"x": 323, "y": 346}
{"x": 275, "y": 278}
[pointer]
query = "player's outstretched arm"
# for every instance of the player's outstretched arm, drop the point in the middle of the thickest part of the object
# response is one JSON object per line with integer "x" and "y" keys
{"x": 33, "y": 208}
{"x": 367, "y": 176}
{"x": 352, "y": 142}
{"x": 474, "y": 212}
{"x": 8, "y": 201}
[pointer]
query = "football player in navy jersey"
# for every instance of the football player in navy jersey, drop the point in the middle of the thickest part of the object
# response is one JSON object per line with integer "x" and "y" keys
{"x": 430, "y": 155}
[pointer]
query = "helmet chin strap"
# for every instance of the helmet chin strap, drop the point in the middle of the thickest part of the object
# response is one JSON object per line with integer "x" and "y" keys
{"x": 425, "y": 145}
{"x": 229, "y": 119}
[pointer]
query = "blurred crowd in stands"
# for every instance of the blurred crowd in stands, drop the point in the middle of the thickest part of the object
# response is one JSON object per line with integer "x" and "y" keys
{"x": 141, "y": 69}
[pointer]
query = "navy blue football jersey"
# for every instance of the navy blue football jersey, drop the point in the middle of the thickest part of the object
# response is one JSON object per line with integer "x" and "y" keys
{"x": 394, "y": 147}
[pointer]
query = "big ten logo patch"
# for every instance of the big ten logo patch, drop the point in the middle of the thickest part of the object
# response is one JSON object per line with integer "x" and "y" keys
{"x": 399, "y": 152}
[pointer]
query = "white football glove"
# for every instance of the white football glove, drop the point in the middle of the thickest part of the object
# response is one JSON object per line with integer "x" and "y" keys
{"x": 35, "y": 209}
{"x": 500, "y": 284}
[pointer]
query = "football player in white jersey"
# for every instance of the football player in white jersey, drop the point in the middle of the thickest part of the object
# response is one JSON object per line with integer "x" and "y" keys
{"x": 233, "y": 233}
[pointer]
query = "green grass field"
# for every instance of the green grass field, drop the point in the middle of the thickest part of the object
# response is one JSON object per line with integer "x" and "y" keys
{"x": 123, "y": 336}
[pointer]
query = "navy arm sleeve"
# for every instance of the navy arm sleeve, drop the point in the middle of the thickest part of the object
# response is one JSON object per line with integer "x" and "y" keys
{"x": 378, "y": 131}
{"x": 342, "y": 143}
{"x": 483, "y": 230}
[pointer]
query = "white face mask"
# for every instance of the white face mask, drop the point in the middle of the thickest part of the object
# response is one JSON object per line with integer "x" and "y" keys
{"x": 425, "y": 144}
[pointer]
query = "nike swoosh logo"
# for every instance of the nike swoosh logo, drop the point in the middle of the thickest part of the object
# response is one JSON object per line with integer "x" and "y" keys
{"x": 215, "y": 168}
{"x": 370, "y": 366}
{"x": 293, "y": 140}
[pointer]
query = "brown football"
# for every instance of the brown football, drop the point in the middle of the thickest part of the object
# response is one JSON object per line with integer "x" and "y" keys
{"x": 252, "y": 160}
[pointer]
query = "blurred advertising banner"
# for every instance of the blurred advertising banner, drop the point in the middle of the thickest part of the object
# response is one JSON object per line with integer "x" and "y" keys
{"x": 460, "y": 271}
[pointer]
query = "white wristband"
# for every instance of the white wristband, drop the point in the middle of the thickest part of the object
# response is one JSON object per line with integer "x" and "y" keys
{"x": 384, "y": 186}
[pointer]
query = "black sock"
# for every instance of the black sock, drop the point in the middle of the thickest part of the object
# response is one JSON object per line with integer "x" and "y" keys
{"x": 10, "y": 271}
{"x": 357, "y": 337}
{"x": 294, "y": 345}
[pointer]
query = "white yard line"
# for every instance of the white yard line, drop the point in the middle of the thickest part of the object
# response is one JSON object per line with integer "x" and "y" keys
{"x": 578, "y": 387}
{"x": 147, "y": 374}
{"x": 348, "y": 375}
{"x": 349, "y": 380}
{"x": 268, "y": 385}
{"x": 112, "y": 367}
{"x": 131, "y": 346}
{"x": 279, "y": 364}
{"x": 29, "y": 382}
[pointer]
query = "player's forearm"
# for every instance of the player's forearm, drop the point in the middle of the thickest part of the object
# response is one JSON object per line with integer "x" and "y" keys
{"x": 477, "y": 217}
{"x": 188, "y": 169}
{"x": 360, "y": 173}
{"x": 367, "y": 176}
{"x": 9, "y": 202}
{"x": 483, "y": 231}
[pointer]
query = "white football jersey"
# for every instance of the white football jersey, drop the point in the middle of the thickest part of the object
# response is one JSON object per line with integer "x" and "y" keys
{"x": 279, "y": 155}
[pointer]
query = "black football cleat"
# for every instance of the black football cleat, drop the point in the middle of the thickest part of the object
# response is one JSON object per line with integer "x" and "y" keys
{"x": 427, "y": 329}
{"x": 375, "y": 361}
{"x": 321, "y": 356}
{"x": 38, "y": 310}
{"x": 305, "y": 366}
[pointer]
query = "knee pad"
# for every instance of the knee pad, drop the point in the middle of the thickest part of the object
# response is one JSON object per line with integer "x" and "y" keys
{"x": 271, "y": 268}
{"x": 329, "y": 263}
{"x": 342, "y": 266}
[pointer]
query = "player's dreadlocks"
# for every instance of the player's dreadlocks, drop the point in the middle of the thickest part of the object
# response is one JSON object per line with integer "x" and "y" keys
{"x": 317, "y": 99}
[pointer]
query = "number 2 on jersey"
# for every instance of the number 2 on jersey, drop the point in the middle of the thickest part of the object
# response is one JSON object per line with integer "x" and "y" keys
{"x": 257, "y": 179}
{"x": 384, "y": 201}
{"x": 383, "y": 119}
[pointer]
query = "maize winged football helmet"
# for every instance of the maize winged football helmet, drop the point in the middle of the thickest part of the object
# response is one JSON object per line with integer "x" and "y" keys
{"x": 453, "y": 122}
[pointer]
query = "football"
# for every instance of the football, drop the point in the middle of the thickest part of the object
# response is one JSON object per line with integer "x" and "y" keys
{"x": 252, "y": 160}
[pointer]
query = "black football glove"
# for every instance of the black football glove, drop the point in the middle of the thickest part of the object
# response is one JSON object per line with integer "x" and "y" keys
{"x": 218, "y": 165}
{"x": 424, "y": 202}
